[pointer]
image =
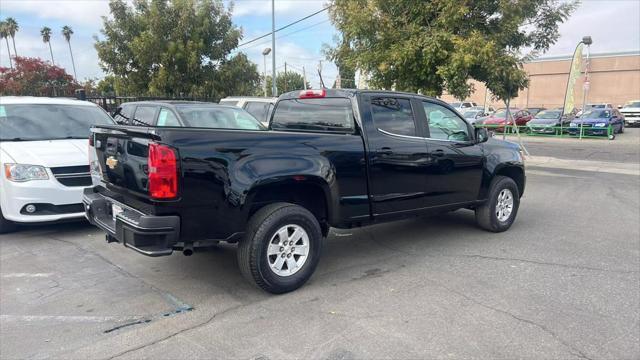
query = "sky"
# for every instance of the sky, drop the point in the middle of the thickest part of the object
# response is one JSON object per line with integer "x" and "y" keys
{"x": 614, "y": 26}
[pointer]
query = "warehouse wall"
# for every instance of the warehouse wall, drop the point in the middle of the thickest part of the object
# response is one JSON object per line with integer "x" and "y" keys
{"x": 614, "y": 79}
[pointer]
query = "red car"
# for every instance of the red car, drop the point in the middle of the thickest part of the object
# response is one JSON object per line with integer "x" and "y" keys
{"x": 521, "y": 118}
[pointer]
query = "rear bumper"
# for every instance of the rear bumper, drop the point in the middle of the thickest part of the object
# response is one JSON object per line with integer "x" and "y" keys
{"x": 147, "y": 234}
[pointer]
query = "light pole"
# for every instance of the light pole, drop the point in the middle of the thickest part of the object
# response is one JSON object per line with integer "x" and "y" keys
{"x": 585, "y": 87}
{"x": 273, "y": 46}
{"x": 265, "y": 52}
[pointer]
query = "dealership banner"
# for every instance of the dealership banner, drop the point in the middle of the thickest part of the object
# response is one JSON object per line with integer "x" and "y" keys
{"x": 574, "y": 73}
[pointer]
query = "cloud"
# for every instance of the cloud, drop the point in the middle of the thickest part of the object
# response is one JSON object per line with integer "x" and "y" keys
{"x": 283, "y": 7}
{"x": 614, "y": 26}
{"x": 73, "y": 12}
{"x": 296, "y": 57}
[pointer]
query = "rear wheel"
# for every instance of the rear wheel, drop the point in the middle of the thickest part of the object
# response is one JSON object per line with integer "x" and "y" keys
{"x": 6, "y": 226}
{"x": 281, "y": 247}
{"x": 499, "y": 212}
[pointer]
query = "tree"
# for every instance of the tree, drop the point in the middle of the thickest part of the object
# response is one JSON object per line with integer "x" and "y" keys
{"x": 67, "y": 32}
{"x": 340, "y": 55}
{"x": 237, "y": 76}
{"x": 160, "y": 47}
{"x": 430, "y": 47}
{"x": 286, "y": 82}
{"x": 46, "y": 38}
{"x": 36, "y": 77}
{"x": 12, "y": 28}
{"x": 4, "y": 33}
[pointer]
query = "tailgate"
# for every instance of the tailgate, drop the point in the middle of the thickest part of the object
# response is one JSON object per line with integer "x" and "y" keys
{"x": 122, "y": 153}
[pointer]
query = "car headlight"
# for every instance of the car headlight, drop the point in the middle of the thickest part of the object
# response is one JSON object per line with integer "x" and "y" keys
{"x": 601, "y": 124}
{"x": 573, "y": 124}
{"x": 22, "y": 172}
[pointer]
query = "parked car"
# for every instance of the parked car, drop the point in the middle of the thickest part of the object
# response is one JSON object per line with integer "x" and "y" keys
{"x": 43, "y": 155}
{"x": 497, "y": 120}
{"x": 597, "y": 122}
{"x": 594, "y": 106}
{"x": 461, "y": 106}
{"x": 548, "y": 121}
{"x": 535, "y": 110}
{"x": 259, "y": 107}
{"x": 278, "y": 192}
{"x": 472, "y": 116}
{"x": 172, "y": 113}
{"x": 631, "y": 113}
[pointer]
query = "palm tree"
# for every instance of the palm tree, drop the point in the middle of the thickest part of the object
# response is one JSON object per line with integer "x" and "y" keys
{"x": 4, "y": 34}
{"x": 12, "y": 27}
{"x": 67, "y": 32}
{"x": 46, "y": 38}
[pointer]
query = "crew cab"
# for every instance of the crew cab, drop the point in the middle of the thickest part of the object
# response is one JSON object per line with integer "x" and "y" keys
{"x": 330, "y": 158}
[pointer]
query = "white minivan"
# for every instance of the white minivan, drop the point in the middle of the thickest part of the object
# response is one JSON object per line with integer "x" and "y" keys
{"x": 44, "y": 158}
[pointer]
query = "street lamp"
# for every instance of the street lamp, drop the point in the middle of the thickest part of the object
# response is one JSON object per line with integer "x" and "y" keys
{"x": 265, "y": 52}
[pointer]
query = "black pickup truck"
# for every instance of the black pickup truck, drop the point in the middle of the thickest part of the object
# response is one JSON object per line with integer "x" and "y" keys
{"x": 330, "y": 158}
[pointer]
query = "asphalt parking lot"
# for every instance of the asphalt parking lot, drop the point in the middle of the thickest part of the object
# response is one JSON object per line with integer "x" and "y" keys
{"x": 562, "y": 283}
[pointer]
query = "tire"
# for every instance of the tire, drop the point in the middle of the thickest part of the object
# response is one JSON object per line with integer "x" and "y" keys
{"x": 487, "y": 214}
{"x": 6, "y": 226}
{"x": 265, "y": 235}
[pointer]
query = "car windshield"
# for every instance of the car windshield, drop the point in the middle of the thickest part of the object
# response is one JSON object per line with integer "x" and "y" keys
{"x": 455, "y": 105}
{"x": 218, "y": 117}
{"x": 470, "y": 114}
{"x": 596, "y": 114}
{"x": 30, "y": 122}
{"x": 229, "y": 102}
{"x": 548, "y": 114}
{"x": 632, "y": 104}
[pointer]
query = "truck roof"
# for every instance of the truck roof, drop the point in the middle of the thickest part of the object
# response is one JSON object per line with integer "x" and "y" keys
{"x": 354, "y": 92}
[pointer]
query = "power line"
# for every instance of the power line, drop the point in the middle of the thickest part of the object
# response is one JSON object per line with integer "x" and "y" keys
{"x": 285, "y": 35}
{"x": 286, "y": 26}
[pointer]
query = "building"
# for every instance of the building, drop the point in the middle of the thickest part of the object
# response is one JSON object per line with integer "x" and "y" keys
{"x": 614, "y": 78}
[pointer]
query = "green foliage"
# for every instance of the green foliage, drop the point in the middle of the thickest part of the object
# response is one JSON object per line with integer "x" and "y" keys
{"x": 237, "y": 76}
{"x": 285, "y": 82}
{"x": 340, "y": 55}
{"x": 176, "y": 47}
{"x": 433, "y": 46}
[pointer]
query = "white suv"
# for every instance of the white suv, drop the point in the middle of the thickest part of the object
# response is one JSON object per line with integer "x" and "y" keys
{"x": 259, "y": 107}
{"x": 631, "y": 112}
{"x": 44, "y": 158}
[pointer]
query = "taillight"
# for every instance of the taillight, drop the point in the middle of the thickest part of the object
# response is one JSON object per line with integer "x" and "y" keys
{"x": 163, "y": 172}
{"x": 91, "y": 140}
{"x": 312, "y": 94}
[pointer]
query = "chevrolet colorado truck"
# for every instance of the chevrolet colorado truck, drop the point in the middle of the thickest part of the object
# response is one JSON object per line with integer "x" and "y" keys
{"x": 329, "y": 158}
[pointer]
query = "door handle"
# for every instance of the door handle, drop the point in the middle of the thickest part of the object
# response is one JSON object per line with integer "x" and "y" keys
{"x": 438, "y": 153}
{"x": 385, "y": 151}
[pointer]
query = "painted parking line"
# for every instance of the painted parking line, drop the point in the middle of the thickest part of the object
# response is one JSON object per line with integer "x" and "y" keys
{"x": 27, "y": 275}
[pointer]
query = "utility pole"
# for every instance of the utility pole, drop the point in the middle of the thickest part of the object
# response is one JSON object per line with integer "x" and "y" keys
{"x": 265, "y": 52}
{"x": 320, "y": 74}
{"x": 285, "y": 77}
{"x": 339, "y": 79}
{"x": 304, "y": 77}
{"x": 273, "y": 47}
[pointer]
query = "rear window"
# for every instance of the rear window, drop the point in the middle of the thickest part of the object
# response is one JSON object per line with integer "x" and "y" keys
{"x": 318, "y": 114}
{"x": 229, "y": 102}
{"x": 49, "y": 121}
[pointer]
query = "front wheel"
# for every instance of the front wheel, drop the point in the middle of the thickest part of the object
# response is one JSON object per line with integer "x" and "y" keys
{"x": 499, "y": 212}
{"x": 281, "y": 248}
{"x": 6, "y": 226}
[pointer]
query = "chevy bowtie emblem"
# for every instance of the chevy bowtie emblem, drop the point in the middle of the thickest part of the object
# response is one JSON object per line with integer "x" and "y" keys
{"x": 112, "y": 162}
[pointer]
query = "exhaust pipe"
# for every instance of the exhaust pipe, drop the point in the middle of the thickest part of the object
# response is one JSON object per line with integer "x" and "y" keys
{"x": 188, "y": 250}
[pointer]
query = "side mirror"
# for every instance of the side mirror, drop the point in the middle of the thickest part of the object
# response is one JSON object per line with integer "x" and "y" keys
{"x": 482, "y": 135}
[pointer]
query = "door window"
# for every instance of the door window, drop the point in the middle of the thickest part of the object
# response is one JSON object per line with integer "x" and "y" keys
{"x": 444, "y": 124}
{"x": 393, "y": 116}
{"x": 258, "y": 109}
{"x": 144, "y": 116}
{"x": 167, "y": 118}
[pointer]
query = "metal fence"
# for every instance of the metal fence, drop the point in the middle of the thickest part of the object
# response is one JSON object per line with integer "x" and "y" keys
{"x": 580, "y": 131}
{"x": 111, "y": 103}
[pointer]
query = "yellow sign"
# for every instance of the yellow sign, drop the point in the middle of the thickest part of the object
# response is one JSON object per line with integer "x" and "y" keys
{"x": 574, "y": 73}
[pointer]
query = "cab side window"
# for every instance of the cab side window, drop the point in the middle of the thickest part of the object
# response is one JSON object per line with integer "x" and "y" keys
{"x": 144, "y": 115}
{"x": 393, "y": 116}
{"x": 167, "y": 118}
{"x": 123, "y": 113}
{"x": 444, "y": 124}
